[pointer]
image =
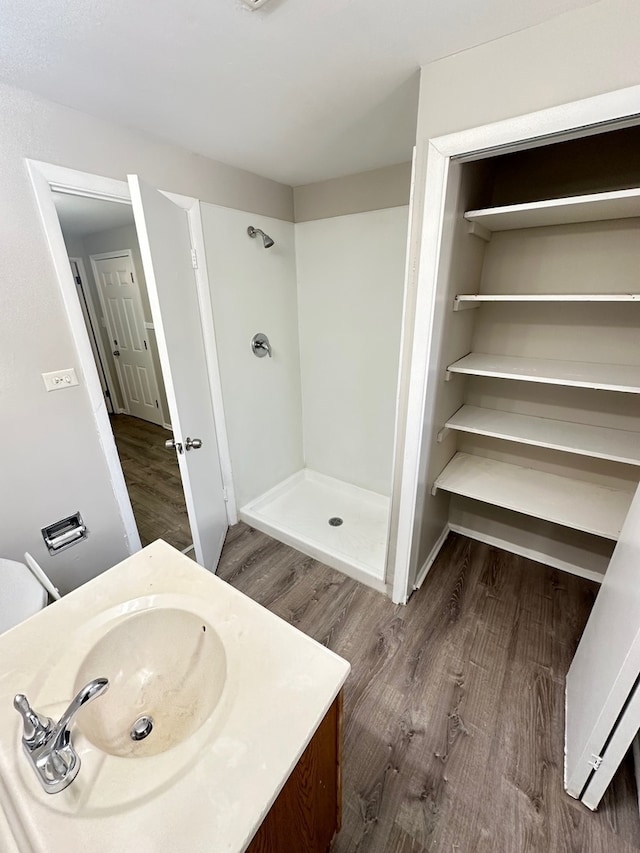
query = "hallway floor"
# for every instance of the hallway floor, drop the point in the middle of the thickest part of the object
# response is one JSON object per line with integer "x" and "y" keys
{"x": 453, "y": 730}
{"x": 153, "y": 481}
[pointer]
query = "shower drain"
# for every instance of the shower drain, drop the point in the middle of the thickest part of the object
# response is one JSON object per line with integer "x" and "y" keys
{"x": 141, "y": 728}
{"x": 335, "y": 521}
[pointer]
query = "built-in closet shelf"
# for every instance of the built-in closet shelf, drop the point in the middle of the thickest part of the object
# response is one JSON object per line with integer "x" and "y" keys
{"x": 562, "y": 500}
{"x": 616, "y": 445}
{"x": 621, "y": 204}
{"x": 577, "y": 374}
{"x": 470, "y": 300}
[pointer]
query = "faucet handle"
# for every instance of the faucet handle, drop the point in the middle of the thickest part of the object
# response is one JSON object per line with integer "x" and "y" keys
{"x": 36, "y": 729}
{"x": 260, "y": 345}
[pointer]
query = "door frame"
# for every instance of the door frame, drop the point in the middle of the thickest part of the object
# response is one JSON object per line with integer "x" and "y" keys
{"x": 105, "y": 256}
{"x": 422, "y": 336}
{"x": 47, "y": 178}
{"x": 92, "y": 319}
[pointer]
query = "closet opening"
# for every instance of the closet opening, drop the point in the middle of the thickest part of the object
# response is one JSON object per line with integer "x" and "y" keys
{"x": 526, "y": 415}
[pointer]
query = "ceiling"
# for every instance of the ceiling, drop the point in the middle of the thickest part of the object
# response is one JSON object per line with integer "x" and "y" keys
{"x": 298, "y": 91}
{"x": 80, "y": 216}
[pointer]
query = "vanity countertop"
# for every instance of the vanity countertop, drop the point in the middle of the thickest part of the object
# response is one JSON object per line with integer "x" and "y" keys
{"x": 209, "y": 793}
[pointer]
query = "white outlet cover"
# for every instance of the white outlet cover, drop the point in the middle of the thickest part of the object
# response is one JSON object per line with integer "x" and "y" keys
{"x": 58, "y": 379}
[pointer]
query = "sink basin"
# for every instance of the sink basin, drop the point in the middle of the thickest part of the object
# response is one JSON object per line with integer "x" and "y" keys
{"x": 166, "y": 668}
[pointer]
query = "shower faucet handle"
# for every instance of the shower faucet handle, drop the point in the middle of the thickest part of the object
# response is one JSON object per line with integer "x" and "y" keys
{"x": 260, "y": 345}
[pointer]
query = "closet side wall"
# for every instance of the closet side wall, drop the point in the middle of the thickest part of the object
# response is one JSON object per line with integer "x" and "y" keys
{"x": 460, "y": 266}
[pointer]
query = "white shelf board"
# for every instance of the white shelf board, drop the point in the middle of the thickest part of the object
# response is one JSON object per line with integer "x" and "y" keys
{"x": 577, "y": 374}
{"x": 615, "y": 445}
{"x": 470, "y": 300}
{"x": 562, "y": 500}
{"x": 621, "y": 204}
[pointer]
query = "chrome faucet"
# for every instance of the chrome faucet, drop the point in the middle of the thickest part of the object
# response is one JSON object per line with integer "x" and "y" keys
{"x": 48, "y": 745}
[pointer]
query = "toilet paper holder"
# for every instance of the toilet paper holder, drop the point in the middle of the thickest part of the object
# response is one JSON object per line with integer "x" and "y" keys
{"x": 64, "y": 533}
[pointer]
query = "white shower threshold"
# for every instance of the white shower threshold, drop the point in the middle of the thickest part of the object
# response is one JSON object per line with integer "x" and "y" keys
{"x": 297, "y": 512}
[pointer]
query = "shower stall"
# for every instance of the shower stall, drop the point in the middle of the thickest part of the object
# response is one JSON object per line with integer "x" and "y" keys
{"x": 311, "y": 428}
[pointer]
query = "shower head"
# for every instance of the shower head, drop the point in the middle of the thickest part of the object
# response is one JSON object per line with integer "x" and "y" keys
{"x": 268, "y": 242}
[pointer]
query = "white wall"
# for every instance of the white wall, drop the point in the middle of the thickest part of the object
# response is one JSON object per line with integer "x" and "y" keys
{"x": 51, "y": 464}
{"x": 254, "y": 290}
{"x": 582, "y": 53}
{"x": 350, "y": 286}
{"x": 376, "y": 189}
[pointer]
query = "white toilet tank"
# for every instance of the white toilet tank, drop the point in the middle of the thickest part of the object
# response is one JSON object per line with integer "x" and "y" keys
{"x": 20, "y": 594}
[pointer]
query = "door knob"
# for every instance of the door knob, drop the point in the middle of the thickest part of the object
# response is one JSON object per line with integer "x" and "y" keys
{"x": 172, "y": 444}
{"x": 116, "y": 352}
{"x": 192, "y": 443}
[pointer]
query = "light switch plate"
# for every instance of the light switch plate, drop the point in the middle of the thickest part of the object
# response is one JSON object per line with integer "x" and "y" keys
{"x": 58, "y": 379}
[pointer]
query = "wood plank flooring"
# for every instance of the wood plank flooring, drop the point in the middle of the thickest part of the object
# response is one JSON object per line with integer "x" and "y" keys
{"x": 454, "y": 706}
{"x": 153, "y": 481}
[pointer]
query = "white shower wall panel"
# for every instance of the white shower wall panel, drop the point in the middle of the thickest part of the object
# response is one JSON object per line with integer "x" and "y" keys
{"x": 254, "y": 290}
{"x": 350, "y": 290}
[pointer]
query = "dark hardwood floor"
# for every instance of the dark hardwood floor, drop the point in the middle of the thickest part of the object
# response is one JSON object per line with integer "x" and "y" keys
{"x": 153, "y": 481}
{"x": 454, "y": 706}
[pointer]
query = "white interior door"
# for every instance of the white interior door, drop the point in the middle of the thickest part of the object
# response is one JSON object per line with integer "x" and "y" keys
{"x": 165, "y": 245}
{"x": 603, "y": 711}
{"x": 122, "y": 308}
{"x": 92, "y": 332}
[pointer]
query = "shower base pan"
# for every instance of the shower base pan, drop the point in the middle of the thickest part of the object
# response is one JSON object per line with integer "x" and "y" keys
{"x": 338, "y": 524}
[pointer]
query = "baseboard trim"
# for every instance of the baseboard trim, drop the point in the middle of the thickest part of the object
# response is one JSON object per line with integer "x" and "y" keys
{"x": 424, "y": 571}
{"x": 187, "y": 549}
{"x": 168, "y": 426}
{"x": 528, "y": 553}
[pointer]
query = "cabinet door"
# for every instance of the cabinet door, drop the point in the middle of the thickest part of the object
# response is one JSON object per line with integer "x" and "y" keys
{"x": 308, "y": 811}
{"x": 603, "y": 710}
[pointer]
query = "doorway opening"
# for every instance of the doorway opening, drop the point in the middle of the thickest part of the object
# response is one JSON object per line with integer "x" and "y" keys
{"x": 104, "y": 254}
{"x": 170, "y": 234}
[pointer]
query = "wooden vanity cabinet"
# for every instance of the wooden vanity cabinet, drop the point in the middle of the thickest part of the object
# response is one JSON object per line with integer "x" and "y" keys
{"x": 308, "y": 811}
